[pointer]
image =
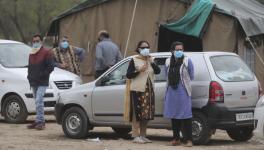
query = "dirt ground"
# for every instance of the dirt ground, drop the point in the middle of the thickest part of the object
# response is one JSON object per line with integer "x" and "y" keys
{"x": 17, "y": 137}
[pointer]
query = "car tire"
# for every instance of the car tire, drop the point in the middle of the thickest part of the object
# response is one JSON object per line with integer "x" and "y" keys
{"x": 240, "y": 134}
{"x": 75, "y": 123}
{"x": 14, "y": 109}
{"x": 201, "y": 130}
{"x": 121, "y": 131}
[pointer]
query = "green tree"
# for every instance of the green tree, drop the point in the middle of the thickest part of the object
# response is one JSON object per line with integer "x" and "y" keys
{"x": 19, "y": 19}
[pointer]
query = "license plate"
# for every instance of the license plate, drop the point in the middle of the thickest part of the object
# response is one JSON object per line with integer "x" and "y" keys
{"x": 244, "y": 116}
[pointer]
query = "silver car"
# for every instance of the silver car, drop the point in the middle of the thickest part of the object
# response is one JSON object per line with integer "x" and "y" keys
{"x": 224, "y": 95}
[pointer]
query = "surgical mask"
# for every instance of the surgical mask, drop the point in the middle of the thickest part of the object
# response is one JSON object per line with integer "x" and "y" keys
{"x": 64, "y": 44}
{"x": 36, "y": 45}
{"x": 178, "y": 54}
{"x": 144, "y": 52}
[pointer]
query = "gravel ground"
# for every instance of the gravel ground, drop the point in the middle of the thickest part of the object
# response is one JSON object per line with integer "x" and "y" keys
{"x": 17, "y": 137}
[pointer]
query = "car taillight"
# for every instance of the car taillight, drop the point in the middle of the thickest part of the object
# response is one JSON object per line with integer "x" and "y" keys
{"x": 260, "y": 90}
{"x": 216, "y": 92}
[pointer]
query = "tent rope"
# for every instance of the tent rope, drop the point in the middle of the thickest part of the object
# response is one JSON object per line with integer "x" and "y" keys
{"x": 130, "y": 28}
{"x": 256, "y": 52}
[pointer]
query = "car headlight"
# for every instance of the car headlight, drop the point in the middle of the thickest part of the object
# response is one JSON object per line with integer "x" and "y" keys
{"x": 260, "y": 102}
{"x": 50, "y": 86}
{"x": 78, "y": 81}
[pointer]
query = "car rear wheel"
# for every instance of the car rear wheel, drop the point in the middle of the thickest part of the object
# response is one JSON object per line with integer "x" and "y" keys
{"x": 75, "y": 123}
{"x": 121, "y": 131}
{"x": 240, "y": 134}
{"x": 14, "y": 109}
{"x": 201, "y": 130}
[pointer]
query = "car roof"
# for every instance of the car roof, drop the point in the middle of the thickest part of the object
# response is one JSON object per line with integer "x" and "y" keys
{"x": 9, "y": 41}
{"x": 211, "y": 53}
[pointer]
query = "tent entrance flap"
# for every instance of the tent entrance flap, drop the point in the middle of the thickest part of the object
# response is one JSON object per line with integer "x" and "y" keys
{"x": 192, "y": 23}
{"x": 167, "y": 37}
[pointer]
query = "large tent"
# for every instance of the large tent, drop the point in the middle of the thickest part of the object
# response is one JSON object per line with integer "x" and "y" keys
{"x": 227, "y": 28}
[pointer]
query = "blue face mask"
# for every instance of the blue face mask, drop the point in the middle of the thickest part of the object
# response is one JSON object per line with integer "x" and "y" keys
{"x": 64, "y": 44}
{"x": 144, "y": 52}
{"x": 36, "y": 45}
{"x": 178, "y": 54}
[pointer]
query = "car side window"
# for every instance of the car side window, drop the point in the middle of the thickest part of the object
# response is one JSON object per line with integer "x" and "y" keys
{"x": 161, "y": 77}
{"x": 117, "y": 76}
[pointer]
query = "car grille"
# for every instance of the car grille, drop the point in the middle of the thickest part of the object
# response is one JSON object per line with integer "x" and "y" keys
{"x": 63, "y": 85}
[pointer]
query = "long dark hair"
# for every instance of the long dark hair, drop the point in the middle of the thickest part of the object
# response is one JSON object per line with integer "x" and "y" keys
{"x": 139, "y": 44}
{"x": 174, "y": 68}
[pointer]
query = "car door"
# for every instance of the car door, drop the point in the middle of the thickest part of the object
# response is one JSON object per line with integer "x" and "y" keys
{"x": 160, "y": 88}
{"x": 108, "y": 97}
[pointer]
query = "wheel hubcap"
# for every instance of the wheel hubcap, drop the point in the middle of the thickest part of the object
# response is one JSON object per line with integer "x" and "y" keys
{"x": 13, "y": 110}
{"x": 196, "y": 128}
{"x": 73, "y": 123}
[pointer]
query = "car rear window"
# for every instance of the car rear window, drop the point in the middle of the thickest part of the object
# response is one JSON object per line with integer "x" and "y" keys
{"x": 231, "y": 69}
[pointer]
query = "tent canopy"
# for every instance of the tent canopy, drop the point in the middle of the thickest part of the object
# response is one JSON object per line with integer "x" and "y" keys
{"x": 249, "y": 13}
{"x": 194, "y": 20}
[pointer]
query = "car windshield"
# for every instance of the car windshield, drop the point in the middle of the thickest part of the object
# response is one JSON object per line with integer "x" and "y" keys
{"x": 14, "y": 55}
{"x": 231, "y": 69}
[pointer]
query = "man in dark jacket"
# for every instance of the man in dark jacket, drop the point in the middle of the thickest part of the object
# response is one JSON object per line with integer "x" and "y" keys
{"x": 40, "y": 66}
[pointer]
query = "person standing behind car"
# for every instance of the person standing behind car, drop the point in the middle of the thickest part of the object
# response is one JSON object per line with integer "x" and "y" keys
{"x": 40, "y": 66}
{"x": 141, "y": 72}
{"x": 107, "y": 53}
{"x": 178, "y": 104}
{"x": 68, "y": 57}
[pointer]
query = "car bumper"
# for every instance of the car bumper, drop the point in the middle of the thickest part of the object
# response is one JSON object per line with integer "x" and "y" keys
{"x": 258, "y": 115}
{"x": 58, "y": 112}
{"x": 221, "y": 117}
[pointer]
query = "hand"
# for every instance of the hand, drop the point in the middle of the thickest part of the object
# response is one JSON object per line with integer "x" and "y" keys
{"x": 151, "y": 59}
{"x": 143, "y": 68}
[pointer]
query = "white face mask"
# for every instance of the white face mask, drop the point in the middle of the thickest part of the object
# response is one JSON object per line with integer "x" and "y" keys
{"x": 144, "y": 52}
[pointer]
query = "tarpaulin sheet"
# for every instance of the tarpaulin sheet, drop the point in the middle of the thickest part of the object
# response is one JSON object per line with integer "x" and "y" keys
{"x": 194, "y": 20}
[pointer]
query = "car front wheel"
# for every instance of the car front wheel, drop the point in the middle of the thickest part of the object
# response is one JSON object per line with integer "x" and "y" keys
{"x": 240, "y": 134}
{"x": 14, "y": 109}
{"x": 75, "y": 123}
{"x": 201, "y": 130}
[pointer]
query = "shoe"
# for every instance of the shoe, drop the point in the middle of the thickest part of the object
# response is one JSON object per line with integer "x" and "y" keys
{"x": 40, "y": 126}
{"x": 32, "y": 125}
{"x": 146, "y": 139}
{"x": 175, "y": 142}
{"x": 188, "y": 144}
{"x": 139, "y": 140}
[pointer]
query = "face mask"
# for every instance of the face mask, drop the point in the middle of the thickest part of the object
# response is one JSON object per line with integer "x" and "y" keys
{"x": 178, "y": 54}
{"x": 64, "y": 44}
{"x": 36, "y": 45}
{"x": 144, "y": 52}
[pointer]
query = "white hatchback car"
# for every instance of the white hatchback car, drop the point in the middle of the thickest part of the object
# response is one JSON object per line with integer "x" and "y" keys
{"x": 259, "y": 116}
{"x": 16, "y": 97}
{"x": 224, "y": 96}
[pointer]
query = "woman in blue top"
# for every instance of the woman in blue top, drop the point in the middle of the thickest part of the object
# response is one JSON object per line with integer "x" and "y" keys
{"x": 178, "y": 104}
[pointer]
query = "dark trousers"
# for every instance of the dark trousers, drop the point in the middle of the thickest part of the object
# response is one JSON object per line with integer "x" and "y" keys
{"x": 183, "y": 125}
{"x": 98, "y": 73}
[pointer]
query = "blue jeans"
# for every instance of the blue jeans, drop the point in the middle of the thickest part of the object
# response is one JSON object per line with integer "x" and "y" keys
{"x": 38, "y": 93}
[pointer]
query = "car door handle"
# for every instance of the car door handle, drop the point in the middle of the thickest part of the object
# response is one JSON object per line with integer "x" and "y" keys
{"x": 228, "y": 94}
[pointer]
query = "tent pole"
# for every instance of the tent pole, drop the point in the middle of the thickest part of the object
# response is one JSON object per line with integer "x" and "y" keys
{"x": 130, "y": 28}
{"x": 256, "y": 52}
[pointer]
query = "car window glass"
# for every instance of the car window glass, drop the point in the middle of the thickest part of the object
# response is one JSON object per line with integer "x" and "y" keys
{"x": 118, "y": 76}
{"x": 231, "y": 68}
{"x": 161, "y": 77}
{"x": 13, "y": 55}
